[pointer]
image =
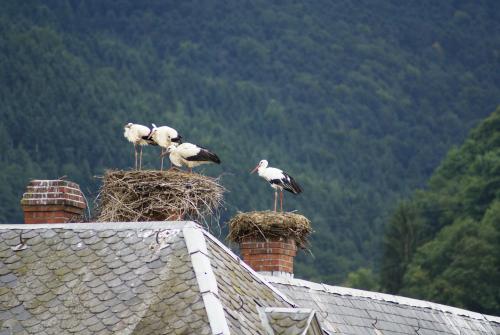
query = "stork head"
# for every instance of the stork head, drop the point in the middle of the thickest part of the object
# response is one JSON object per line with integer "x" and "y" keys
{"x": 262, "y": 164}
{"x": 171, "y": 148}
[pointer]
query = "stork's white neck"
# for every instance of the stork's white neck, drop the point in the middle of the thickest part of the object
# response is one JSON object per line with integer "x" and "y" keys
{"x": 262, "y": 167}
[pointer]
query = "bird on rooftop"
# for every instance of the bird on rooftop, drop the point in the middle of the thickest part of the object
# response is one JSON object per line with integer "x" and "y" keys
{"x": 164, "y": 136}
{"x": 139, "y": 135}
{"x": 190, "y": 155}
{"x": 278, "y": 180}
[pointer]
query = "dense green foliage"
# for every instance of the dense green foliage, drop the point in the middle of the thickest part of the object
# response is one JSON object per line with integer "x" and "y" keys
{"x": 359, "y": 101}
{"x": 445, "y": 244}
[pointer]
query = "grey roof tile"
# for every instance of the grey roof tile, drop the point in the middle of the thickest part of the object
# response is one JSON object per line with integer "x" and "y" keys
{"x": 354, "y": 312}
{"x": 87, "y": 281}
{"x": 107, "y": 233}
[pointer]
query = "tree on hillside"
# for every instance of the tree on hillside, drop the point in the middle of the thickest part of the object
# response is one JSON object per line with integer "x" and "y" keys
{"x": 456, "y": 259}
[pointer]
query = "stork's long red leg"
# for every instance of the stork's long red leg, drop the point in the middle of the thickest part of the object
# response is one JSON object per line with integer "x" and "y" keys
{"x": 281, "y": 200}
{"x": 275, "y": 200}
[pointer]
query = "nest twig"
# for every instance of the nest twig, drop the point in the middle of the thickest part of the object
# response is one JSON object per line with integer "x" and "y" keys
{"x": 268, "y": 224}
{"x": 151, "y": 195}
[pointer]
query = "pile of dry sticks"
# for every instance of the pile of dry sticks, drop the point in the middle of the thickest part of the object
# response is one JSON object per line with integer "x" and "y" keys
{"x": 151, "y": 195}
{"x": 268, "y": 224}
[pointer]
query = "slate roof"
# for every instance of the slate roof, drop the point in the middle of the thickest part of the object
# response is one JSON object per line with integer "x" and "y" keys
{"x": 175, "y": 278}
{"x": 350, "y": 311}
{"x": 98, "y": 281}
{"x": 126, "y": 278}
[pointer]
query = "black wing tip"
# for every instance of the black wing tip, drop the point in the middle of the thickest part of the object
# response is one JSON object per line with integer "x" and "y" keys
{"x": 293, "y": 186}
{"x": 298, "y": 189}
{"x": 205, "y": 155}
{"x": 216, "y": 159}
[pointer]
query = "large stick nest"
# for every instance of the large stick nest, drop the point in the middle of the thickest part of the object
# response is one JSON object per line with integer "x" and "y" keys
{"x": 157, "y": 196}
{"x": 267, "y": 224}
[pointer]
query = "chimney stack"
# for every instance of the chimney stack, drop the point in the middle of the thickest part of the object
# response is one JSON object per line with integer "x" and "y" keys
{"x": 268, "y": 240}
{"x": 52, "y": 201}
{"x": 271, "y": 256}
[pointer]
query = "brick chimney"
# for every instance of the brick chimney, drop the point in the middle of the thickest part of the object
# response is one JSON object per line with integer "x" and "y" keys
{"x": 268, "y": 240}
{"x": 273, "y": 256}
{"x": 52, "y": 201}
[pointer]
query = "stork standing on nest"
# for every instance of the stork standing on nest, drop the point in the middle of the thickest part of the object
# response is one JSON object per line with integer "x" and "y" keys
{"x": 278, "y": 180}
{"x": 190, "y": 155}
{"x": 164, "y": 136}
{"x": 139, "y": 135}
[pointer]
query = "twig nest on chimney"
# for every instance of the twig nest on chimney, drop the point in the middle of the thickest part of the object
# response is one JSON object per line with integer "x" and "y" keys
{"x": 270, "y": 225}
{"x": 151, "y": 195}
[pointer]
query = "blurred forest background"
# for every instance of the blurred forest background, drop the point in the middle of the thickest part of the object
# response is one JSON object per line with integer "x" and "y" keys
{"x": 359, "y": 101}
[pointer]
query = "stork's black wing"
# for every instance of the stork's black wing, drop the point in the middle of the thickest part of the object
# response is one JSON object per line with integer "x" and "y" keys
{"x": 289, "y": 184}
{"x": 204, "y": 155}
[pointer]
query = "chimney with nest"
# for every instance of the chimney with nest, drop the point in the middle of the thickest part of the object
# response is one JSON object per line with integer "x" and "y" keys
{"x": 271, "y": 256}
{"x": 269, "y": 240}
{"x": 52, "y": 201}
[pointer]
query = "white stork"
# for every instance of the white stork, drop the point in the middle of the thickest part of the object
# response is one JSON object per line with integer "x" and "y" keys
{"x": 190, "y": 155}
{"x": 278, "y": 180}
{"x": 164, "y": 136}
{"x": 139, "y": 135}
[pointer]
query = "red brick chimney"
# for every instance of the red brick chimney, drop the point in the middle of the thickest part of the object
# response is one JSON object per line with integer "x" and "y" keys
{"x": 269, "y": 240}
{"x": 52, "y": 201}
{"x": 271, "y": 255}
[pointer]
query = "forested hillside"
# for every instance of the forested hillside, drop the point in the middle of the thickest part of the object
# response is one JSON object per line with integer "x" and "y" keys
{"x": 359, "y": 101}
{"x": 444, "y": 244}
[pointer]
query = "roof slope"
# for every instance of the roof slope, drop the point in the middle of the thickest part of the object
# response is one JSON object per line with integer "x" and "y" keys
{"x": 98, "y": 281}
{"x": 350, "y": 311}
{"x": 128, "y": 278}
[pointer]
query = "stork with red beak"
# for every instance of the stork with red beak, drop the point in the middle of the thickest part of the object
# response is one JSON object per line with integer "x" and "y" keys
{"x": 278, "y": 180}
{"x": 190, "y": 155}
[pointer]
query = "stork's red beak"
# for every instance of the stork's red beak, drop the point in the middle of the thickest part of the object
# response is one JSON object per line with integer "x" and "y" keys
{"x": 255, "y": 169}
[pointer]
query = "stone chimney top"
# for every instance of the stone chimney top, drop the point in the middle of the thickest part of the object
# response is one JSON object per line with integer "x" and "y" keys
{"x": 269, "y": 240}
{"x": 52, "y": 201}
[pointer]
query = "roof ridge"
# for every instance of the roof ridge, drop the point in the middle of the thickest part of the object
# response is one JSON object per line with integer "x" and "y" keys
{"x": 207, "y": 283}
{"x": 382, "y": 297}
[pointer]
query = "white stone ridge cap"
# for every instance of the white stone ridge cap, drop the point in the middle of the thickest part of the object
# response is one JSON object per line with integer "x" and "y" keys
{"x": 159, "y": 225}
{"x": 382, "y": 297}
{"x": 207, "y": 282}
{"x": 292, "y": 310}
{"x": 249, "y": 269}
{"x": 492, "y": 318}
{"x": 195, "y": 240}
